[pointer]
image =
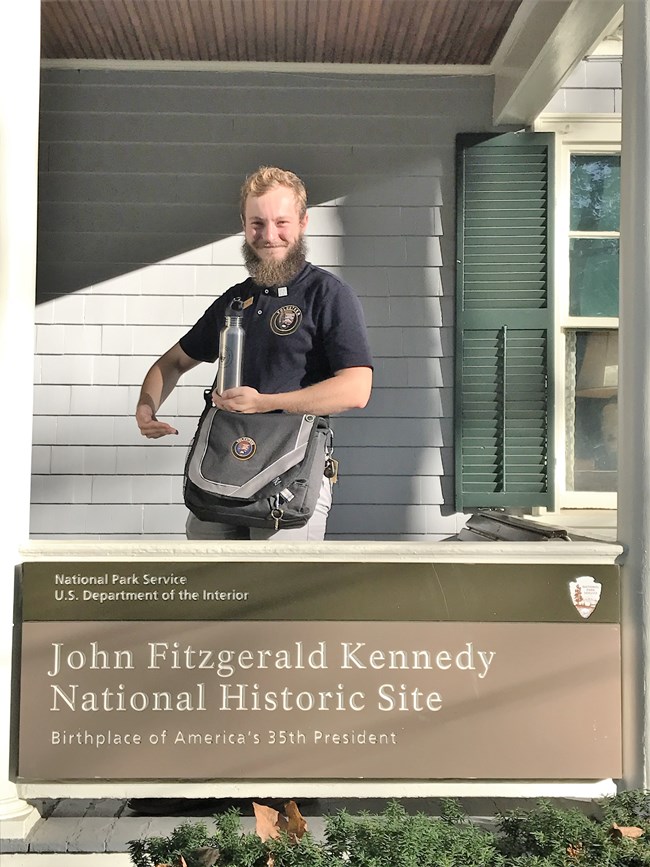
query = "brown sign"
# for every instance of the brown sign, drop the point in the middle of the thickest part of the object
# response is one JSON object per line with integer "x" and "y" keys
{"x": 220, "y": 698}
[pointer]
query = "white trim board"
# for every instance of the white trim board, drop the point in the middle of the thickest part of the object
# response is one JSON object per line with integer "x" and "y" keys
{"x": 333, "y": 552}
{"x": 386, "y": 69}
{"x": 578, "y": 789}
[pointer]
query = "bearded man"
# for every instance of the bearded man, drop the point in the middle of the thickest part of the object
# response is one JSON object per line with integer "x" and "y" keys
{"x": 306, "y": 343}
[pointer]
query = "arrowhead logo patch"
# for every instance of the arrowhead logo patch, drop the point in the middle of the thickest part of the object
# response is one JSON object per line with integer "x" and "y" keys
{"x": 585, "y": 594}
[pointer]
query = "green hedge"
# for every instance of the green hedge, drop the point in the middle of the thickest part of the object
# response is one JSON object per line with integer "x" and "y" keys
{"x": 545, "y": 836}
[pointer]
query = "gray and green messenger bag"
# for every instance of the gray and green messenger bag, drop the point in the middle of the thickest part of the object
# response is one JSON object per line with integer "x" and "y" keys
{"x": 258, "y": 469}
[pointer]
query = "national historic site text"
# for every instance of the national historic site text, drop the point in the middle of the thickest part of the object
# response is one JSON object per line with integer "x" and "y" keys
{"x": 223, "y": 664}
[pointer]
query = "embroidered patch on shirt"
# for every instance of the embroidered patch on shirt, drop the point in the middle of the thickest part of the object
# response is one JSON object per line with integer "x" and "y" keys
{"x": 247, "y": 303}
{"x": 286, "y": 320}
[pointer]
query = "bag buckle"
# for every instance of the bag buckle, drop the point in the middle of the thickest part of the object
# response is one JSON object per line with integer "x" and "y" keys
{"x": 277, "y": 514}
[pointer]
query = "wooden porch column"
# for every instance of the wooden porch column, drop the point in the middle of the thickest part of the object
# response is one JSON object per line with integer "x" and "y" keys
{"x": 634, "y": 392}
{"x": 19, "y": 74}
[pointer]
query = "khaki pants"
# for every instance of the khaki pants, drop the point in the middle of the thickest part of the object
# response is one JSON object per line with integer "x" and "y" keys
{"x": 313, "y": 531}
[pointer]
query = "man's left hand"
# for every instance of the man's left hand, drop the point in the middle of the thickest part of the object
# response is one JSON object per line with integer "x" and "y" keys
{"x": 241, "y": 399}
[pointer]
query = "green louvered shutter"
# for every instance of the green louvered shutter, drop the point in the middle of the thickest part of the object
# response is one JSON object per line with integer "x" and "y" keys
{"x": 504, "y": 318}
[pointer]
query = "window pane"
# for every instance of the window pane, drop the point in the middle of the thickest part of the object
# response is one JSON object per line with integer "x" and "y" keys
{"x": 595, "y": 192}
{"x": 592, "y": 409}
{"x": 593, "y": 283}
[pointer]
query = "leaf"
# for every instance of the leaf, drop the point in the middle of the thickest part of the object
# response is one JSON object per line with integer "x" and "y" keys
{"x": 630, "y": 831}
{"x": 266, "y": 822}
{"x": 293, "y": 824}
{"x": 269, "y": 823}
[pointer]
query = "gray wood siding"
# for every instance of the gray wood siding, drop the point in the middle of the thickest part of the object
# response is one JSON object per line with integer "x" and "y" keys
{"x": 138, "y": 231}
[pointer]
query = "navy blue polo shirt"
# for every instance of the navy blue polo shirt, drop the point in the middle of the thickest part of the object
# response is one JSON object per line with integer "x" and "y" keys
{"x": 296, "y": 336}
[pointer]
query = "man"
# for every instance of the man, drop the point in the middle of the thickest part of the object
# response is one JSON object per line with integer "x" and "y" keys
{"x": 306, "y": 343}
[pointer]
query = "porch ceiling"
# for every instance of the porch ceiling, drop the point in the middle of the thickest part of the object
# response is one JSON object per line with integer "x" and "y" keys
{"x": 528, "y": 46}
{"x": 413, "y": 32}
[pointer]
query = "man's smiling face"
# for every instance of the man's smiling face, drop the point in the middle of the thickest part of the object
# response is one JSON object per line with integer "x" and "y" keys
{"x": 272, "y": 222}
{"x": 273, "y": 228}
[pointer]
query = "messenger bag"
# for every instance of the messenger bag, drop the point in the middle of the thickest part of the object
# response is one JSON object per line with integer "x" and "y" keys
{"x": 256, "y": 469}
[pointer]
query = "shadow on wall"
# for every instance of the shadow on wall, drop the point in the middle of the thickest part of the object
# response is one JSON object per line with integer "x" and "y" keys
{"x": 96, "y": 225}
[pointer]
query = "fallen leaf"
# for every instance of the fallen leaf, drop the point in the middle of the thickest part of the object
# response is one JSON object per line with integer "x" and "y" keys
{"x": 632, "y": 831}
{"x": 293, "y": 823}
{"x": 266, "y": 822}
{"x": 270, "y": 823}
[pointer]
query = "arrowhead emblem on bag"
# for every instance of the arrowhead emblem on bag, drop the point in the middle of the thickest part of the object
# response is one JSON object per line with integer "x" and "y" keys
{"x": 585, "y": 594}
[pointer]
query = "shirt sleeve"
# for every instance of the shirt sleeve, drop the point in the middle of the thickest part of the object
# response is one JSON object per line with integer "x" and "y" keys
{"x": 344, "y": 330}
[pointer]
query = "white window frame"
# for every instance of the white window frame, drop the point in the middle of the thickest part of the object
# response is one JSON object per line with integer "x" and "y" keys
{"x": 581, "y": 134}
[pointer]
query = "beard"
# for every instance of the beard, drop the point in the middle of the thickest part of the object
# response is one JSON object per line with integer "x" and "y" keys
{"x": 275, "y": 272}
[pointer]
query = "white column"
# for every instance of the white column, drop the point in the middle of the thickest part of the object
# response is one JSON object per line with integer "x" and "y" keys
{"x": 19, "y": 74}
{"x": 634, "y": 392}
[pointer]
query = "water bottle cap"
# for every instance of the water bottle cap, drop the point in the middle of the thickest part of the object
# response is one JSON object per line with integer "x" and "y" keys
{"x": 236, "y": 306}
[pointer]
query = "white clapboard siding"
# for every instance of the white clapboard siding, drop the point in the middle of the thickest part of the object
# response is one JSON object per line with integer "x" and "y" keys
{"x": 594, "y": 87}
{"x": 138, "y": 231}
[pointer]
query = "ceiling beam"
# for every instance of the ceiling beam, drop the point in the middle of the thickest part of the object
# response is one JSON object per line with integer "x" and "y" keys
{"x": 547, "y": 39}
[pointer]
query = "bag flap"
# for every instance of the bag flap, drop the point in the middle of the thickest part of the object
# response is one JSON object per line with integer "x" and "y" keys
{"x": 237, "y": 454}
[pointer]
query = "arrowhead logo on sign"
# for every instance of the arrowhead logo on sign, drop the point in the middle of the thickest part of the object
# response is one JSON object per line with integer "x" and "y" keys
{"x": 585, "y": 594}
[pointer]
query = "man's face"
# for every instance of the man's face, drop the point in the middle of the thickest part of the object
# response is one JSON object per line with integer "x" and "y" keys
{"x": 272, "y": 223}
{"x": 274, "y": 247}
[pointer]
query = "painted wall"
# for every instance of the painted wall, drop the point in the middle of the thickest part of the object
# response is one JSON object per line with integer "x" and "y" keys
{"x": 139, "y": 180}
{"x": 594, "y": 87}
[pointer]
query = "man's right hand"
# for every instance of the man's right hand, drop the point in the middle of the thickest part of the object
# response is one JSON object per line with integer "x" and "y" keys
{"x": 149, "y": 425}
{"x": 158, "y": 384}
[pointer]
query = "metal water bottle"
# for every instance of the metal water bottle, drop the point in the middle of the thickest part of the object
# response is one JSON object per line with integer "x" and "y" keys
{"x": 231, "y": 348}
